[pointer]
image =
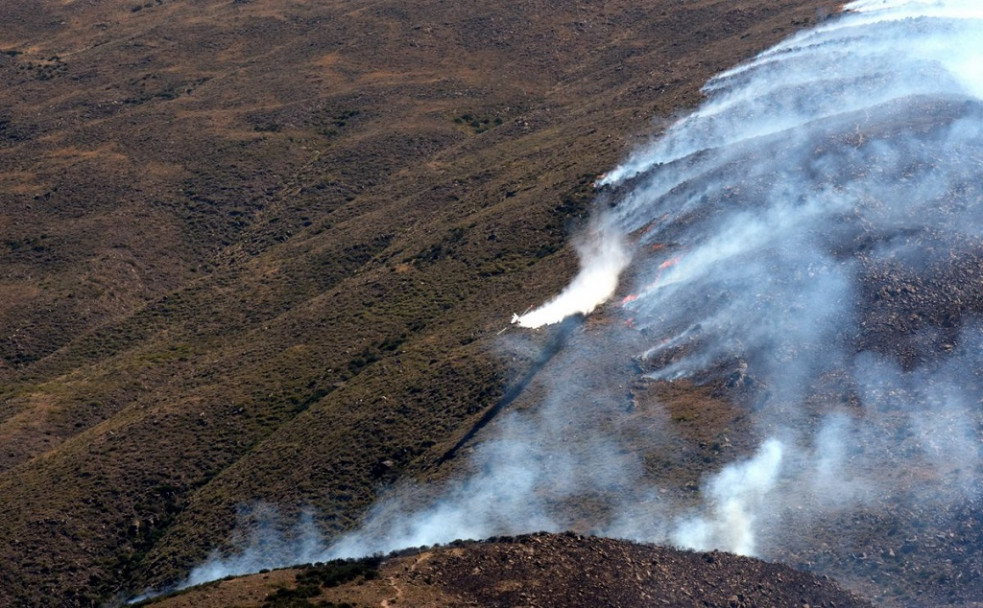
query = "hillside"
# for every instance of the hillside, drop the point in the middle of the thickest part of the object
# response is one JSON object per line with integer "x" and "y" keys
{"x": 537, "y": 570}
{"x": 261, "y": 251}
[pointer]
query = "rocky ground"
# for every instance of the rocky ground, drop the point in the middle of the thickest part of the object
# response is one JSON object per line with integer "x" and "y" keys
{"x": 544, "y": 570}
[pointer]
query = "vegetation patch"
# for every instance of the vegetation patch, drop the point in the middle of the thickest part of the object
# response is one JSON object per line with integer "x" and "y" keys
{"x": 44, "y": 69}
{"x": 478, "y": 123}
{"x": 314, "y": 578}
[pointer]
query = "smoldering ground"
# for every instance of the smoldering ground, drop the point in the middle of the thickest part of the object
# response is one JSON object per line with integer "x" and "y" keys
{"x": 823, "y": 213}
{"x": 808, "y": 241}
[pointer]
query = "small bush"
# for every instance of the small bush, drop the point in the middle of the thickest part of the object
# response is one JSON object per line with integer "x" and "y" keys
{"x": 340, "y": 571}
{"x": 478, "y": 124}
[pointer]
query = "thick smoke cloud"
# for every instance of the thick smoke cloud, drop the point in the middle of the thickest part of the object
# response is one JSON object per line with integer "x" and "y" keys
{"x": 812, "y": 235}
{"x": 821, "y": 204}
{"x": 824, "y": 208}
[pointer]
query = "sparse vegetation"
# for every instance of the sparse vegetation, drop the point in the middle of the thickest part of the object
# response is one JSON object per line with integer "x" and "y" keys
{"x": 44, "y": 69}
{"x": 312, "y": 579}
{"x": 339, "y": 571}
{"x": 478, "y": 124}
{"x": 341, "y": 118}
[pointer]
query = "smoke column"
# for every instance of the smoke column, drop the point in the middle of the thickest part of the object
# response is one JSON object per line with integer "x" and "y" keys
{"x": 603, "y": 256}
{"x": 812, "y": 236}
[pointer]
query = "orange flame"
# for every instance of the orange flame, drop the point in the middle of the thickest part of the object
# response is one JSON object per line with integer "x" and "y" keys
{"x": 668, "y": 264}
{"x": 655, "y": 282}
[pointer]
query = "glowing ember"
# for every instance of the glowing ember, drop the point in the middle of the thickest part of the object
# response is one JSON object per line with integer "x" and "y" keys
{"x": 669, "y": 264}
{"x": 655, "y": 282}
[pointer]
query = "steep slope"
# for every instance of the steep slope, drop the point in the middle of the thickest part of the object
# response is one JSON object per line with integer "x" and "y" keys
{"x": 260, "y": 250}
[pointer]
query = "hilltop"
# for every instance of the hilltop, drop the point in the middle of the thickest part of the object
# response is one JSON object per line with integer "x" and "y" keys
{"x": 535, "y": 570}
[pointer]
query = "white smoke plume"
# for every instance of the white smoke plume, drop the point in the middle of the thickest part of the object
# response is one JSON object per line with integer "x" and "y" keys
{"x": 814, "y": 232}
{"x": 479, "y": 507}
{"x": 263, "y": 544}
{"x": 266, "y": 546}
{"x": 603, "y": 255}
{"x": 814, "y": 204}
{"x": 816, "y": 185}
{"x": 733, "y": 498}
